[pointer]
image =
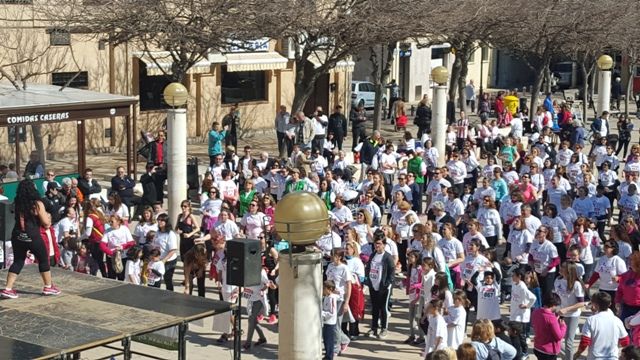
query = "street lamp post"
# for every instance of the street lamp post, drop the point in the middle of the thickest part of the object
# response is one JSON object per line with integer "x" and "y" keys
{"x": 439, "y": 75}
{"x": 605, "y": 63}
{"x": 301, "y": 218}
{"x": 176, "y": 95}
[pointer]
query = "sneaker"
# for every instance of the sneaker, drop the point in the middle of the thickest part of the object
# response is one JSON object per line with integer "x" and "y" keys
{"x": 383, "y": 334}
{"x": 272, "y": 319}
{"x": 51, "y": 290}
{"x": 260, "y": 317}
{"x": 343, "y": 347}
{"x": 223, "y": 339}
{"x": 261, "y": 341}
{"x": 9, "y": 294}
{"x": 410, "y": 340}
{"x": 372, "y": 333}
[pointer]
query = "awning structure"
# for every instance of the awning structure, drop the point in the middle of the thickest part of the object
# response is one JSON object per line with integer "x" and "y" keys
{"x": 318, "y": 59}
{"x": 256, "y": 61}
{"x": 44, "y": 104}
{"x": 159, "y": 63}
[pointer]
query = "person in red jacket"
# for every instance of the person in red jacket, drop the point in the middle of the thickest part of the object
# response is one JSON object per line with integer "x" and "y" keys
{"x": 628, "y": 294}
{"x": 94, "y": 222}
{"x": 50, "y": 244}
{"x": 549, "y": 329}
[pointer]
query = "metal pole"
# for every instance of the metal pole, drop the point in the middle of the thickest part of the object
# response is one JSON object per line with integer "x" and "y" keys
{"x": 176, "y": 159}
{"x": 481, "y": 77}
{"x": 237, "y": 324}
{"x": 439, "y": 123}
{"x": 604, "y": 91}
{"x": 182, "y": 342}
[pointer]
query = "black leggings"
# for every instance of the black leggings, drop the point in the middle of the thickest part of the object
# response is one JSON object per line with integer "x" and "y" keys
{"x": 201, "y": 285}
{"x": 98, "y": 257}
{"x": 38, "y": 250}
{"x": 169, "y": 269}
{"x": 543, "y": 356}
{"x": 272, "y": 296}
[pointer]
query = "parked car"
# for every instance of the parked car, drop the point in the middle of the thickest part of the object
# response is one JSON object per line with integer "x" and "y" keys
{"x": 364, "y": 93}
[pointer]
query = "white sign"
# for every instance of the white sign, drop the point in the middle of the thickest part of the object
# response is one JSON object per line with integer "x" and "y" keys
{"x": 249, "y": 45}
{"x": 23, "y": 119}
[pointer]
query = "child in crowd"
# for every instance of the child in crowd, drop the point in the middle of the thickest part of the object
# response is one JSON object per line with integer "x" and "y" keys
{"x": 456, "y": 319}
{"x": 531, "y": 280}
{"x": 229, "y": 293}
{"x": 428, "y": 280}
{"x": 133, "y": 268}
{"x": 329, "y": 317}
{"x": 414, "y": 287}
{"x": 437, "y": 333}
{"x": 522, "y": 300}
{"x": 489, "y": 296}
{"x": 82, "y": 262}
{"x": 155, "y": 269}
{"x": 255, "y": 307}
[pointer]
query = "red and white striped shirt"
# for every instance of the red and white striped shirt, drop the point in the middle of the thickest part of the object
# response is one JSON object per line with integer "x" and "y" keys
{"x": 462, "y": 128}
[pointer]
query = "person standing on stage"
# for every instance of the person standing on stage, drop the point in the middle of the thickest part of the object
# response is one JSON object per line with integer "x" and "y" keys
{"x": 30, "y": 216}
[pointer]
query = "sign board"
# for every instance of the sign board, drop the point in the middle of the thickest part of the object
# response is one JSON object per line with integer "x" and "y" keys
{"x": 20, "y": 119}
{"x": 249, "y": 45}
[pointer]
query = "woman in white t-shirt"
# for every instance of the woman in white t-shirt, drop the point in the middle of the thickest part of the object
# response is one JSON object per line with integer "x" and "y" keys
{"x": 67, "y": 233}
{"x": 210, "y": 209}
{"x": 453, "y": 252}
{"x": 543, "y": 257}
{"x": 583, "y": 237}
{"x": 490, "y": 221}
{"x": 167, "y": 241}
{"x": 608, "y": 270}
{"x": 362, "y": 226}
{"x": 558, "y": 228}
{"x": 117, "y": 207}
{"x": 254, "y": 221}
{"x": 474, "y": 263}
{"x": 146, "y": 224}
{"x": 474, "y": 233}
{"x": 570, "y": 289}
{"x": 338, "y": 272}
{"x": 519, "y": 242}
{"x": 117, "y": 239}
{"x": 225, "y": 228}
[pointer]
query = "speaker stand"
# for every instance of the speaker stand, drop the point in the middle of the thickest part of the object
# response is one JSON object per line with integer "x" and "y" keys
{"x": 237, "y": 331}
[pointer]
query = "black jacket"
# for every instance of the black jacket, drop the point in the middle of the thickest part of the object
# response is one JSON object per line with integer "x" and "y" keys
{"x": 423, "y": 116}
{"x": 368, "y": 151}
{"x": 388, "y": 270}
{"x": 337, "y": 124}
{"x": 148, "y": 189}
{"x": 87, "y": 188}
{"x": 123, "y": 186}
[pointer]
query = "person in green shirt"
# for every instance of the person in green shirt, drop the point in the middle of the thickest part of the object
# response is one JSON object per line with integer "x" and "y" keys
{"x": 295, "y": 183}
{"x": 246, "y": 196}
{"x": 508, "y": 152}
{"x": 417, "y": 167}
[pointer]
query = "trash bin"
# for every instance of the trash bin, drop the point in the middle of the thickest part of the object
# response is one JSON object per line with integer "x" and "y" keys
{"x": 193, "y": 178}
{"x": 511, "y": 102}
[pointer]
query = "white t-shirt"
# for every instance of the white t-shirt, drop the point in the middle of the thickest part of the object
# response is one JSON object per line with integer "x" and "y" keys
{"x": 569, "y": 297}
{"x": 521, "y": 295}
{"x": 471, "y": 265}
{"x": 221, "y": 266}
{"x": 133, "y": 269}
{"x": 167, "y": 241}
{"x": 488, "y": 301}
{"x": 340, "y": 275}
{"x": 254, "y": 224}
{"x": 519, "y": 240}
{"x": 542, "y": 255}
{"x": 605, "y": 330}
{"x": 376, "y": 271}
{"x": 557, "y": 227}
{"x": 466, "y": 241}
{"x": 456, "y": 321}
{"x": 255, "y": 293}
{"x": 491, "y": 222}
{"x": 607, "y": 268}
{"x": 151, "y": 277}
{"x": 227, "y": 188}
{"x": 228, "y": 229}
{"x": 437, "y": 328}
{"x": 142, "y": 229}
{"x": 117, "y": 237}
{"x": 451, "y": 248}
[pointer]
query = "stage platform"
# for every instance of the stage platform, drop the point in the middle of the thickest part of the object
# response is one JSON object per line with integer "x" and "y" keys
{"x": 90, "y": 312}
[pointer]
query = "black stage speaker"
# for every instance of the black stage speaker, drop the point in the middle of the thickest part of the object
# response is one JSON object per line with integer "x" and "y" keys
{"x": 7, "y": 219}
{"x": 244, "y": 262}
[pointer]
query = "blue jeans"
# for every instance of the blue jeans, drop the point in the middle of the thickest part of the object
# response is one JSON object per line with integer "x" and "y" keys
{"x": 328, "y": 335}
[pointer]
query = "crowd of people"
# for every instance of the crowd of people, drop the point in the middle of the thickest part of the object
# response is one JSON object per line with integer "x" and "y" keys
{"x": 539, "y": 224}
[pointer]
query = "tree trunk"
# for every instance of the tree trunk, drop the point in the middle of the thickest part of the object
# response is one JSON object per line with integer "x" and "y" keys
{"x": 380, "y": 75}
{"x": 591, "y": 93}
{"x": 455, "y": 75}
{"x": 304, "y": 86}
{"x": 585, "y": 90}
{"x": 462, "y": 79}
{"x": 36, "y": 132}
{"x": 632, "y": 68}
{"x": 535, "y": 90}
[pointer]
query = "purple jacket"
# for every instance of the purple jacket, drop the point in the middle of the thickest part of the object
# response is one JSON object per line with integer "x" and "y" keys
{"x": 549, "y": 332}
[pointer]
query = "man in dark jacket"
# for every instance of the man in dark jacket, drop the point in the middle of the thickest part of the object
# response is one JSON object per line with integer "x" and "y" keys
{"x": 358, "y": 118}
{"x": 123, "y": 185}
{"x": 380, "y": 273}
{"x": 88, "y": 185}
{"x": 149, "y": 191}
{"x": 53, "y": 201}
{"x": 338, "y": 126}
{"x": 158, "y": 150}
{"x": 423, "y": 119}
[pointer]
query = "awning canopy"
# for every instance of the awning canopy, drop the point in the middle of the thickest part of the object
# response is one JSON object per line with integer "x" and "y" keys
{"x": 318, "y": 59}
{"x": 159, "y": 63}
{"x": 256, "y": 61}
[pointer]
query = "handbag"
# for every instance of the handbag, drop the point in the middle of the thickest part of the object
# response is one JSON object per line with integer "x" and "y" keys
{"x": 116, "y": 262}
{"x": 23, "y": 236}
{"x": 356, "y": 302}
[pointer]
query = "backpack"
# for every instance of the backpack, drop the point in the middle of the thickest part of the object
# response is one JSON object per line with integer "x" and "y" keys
{"x": 492, "y": 353}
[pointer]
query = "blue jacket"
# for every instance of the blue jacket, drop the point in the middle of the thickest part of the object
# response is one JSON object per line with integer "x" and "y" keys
{"x": 548, "y": 105}
{"x": 215, "y": 140}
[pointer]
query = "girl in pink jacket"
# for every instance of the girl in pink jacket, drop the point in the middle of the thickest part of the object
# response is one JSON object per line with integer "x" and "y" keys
{"x": 549, "y": 329}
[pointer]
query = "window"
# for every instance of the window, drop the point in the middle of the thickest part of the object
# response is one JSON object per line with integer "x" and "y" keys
{"x": 243, "y": 86}
{"x": 22, "y": 134}
{"x": 485, "y": 53}
{"x": 472, "y": 58}
{"x": 79, "y": 80}
{"x": 151, "y": 89}
{"x": 59, "y": 37}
